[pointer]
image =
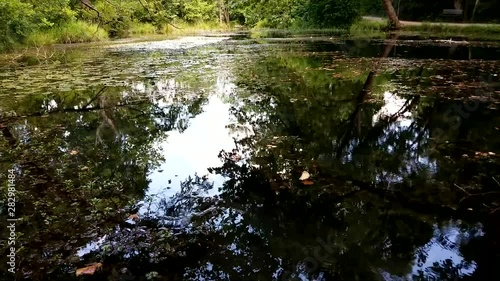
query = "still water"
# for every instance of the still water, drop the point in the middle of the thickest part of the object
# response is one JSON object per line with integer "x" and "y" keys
{"x": 254, "y": 157}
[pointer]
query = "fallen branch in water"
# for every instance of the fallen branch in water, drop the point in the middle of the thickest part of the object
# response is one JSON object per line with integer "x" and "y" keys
{"x": 472, "y": 200}
{"x": 496, "y": 181}
{"x": 461, "y": 188}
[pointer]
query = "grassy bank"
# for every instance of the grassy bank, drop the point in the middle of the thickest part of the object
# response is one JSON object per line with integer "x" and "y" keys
{"x": 84, "y": 32}
{"x": 73, "y": 32}
{"x": 379, "y": 28}
{"x": 179, "y": 28}
{"x": 489, "y": 32}
{"x": 486, "y": 32}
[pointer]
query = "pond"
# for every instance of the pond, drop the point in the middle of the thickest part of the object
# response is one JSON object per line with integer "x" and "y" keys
{"x": 252, "y": 157}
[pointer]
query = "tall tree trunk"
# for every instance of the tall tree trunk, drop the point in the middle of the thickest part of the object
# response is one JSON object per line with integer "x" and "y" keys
{"x": 226, "y": 14}
{"x": 221, "y": 14}
{"x": 466, "y": 10}
{"x": 391, "y": 14}
{"x": 474, "y": 11}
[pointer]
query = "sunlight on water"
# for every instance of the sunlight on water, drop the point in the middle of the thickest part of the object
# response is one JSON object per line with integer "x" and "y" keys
{"x": 393, "y": 105}
{"x": 173, "y": 44}
{"x": 444, "y": 246}
{"x": 191, "y": 152}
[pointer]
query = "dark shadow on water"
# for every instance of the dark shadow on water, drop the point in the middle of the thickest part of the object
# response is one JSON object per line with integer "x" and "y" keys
{"x": 410, "y": 50}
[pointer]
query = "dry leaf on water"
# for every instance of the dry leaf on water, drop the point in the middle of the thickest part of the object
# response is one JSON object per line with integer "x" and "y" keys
{"x": 484, "y": 154}
{"x": 305, "y": 175}
{"x": 307, "y": 182}
{"x": 134, "y": 217}
{"x": 89, "y": 270}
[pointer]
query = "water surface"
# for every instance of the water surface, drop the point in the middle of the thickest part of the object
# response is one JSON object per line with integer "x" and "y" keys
{"x": 183, "y": 159}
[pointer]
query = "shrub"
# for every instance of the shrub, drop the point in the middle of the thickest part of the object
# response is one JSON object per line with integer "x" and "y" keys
{"x": 79, "y": 32}
{"x": 200, "y": 11}
{"x": 73, "y": 32}
{"x": 41, "y": 38}
{"x": 56, "y": 13}
{"x": 331, "y": 13}
{"x": 16, "y": 20}
{"x": 139, "y": 28}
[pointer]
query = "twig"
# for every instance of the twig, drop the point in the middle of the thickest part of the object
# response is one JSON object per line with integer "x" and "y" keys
{"x": 465, "y": 191}
{"x": 174, "y": 26}
{"x": 96, "y": 97}
{"x": 89, "y": 5}
{"x": 496, "y": 181}
{"x": 146, "y": 8}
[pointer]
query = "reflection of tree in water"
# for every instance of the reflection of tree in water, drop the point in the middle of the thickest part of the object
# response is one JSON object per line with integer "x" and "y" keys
{"x": 379, "y": 192}
{"x": 379, "y": 187}
{"x": 80, "y": 159}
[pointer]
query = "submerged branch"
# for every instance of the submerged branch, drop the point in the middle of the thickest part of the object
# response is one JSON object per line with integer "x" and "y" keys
{"x": 66, "y": 110}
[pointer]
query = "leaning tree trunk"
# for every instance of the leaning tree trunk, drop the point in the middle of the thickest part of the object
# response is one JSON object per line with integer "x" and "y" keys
{"x": 391, "y": 14}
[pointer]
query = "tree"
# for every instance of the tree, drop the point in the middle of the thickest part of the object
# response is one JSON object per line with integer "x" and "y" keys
{"x": 391, "y": 14}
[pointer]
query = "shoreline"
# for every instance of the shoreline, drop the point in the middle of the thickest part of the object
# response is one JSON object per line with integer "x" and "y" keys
{"x": 361, "y": 31}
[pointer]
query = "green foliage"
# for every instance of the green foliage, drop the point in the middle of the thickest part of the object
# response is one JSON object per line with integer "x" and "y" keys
{"x": 44, "y": 22}
{"x": 200, "y": 10}
{"x": 330, "y": 13}
{"x": 371, "y": 26}
{"x": 53, "y": 13}
{"x": 300, "y": 13}
{"x": 371, "y": 7}
{"x": 48, "y": 22}
{"x": 79, "y": 32}
{"x": 272, "y": 13}
{"x": 16, "y": 18}
{"x": 138, "y": 28}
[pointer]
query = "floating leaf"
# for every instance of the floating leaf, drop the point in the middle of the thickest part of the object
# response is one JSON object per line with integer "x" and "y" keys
{"x": 305, "y": 175}
{"x": 484, "y": 154}
{"x": 89, "y": 270}
{"x": 307, "y": 182}
{"x": 134, "y": 217}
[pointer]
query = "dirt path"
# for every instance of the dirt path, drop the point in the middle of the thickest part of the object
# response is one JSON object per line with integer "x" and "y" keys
{"x": 407, "y": 23}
